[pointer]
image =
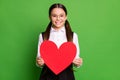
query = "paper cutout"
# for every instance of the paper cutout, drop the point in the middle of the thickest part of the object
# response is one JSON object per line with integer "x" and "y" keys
{"x": 57, "y": 59}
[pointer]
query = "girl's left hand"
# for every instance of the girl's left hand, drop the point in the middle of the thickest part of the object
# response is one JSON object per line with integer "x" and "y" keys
{"x": 78, "y": 62}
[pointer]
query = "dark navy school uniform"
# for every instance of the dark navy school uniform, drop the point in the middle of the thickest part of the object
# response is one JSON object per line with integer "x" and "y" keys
{"x": 66, "y": 74}
{"x": 58, "y": 37}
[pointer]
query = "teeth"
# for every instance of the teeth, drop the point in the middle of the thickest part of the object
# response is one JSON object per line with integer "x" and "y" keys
{"x": 57, "y": 22}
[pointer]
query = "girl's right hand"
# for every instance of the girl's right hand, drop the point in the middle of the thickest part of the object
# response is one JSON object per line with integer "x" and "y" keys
{"x": 40, "y": 61}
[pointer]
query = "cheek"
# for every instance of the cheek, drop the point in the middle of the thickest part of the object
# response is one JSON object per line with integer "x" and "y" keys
{"x": 64, "y": 18}
{"x": 52, "y": 19}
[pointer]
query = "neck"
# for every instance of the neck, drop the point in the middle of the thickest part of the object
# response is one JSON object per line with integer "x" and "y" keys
{"x": 57, "y": 28}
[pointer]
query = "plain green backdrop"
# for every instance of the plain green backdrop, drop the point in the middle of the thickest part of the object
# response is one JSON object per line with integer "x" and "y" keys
{"x": 96, "y": 22}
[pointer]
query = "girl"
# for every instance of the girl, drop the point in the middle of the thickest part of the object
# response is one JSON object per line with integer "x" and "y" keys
{"x": 58, "y": 31}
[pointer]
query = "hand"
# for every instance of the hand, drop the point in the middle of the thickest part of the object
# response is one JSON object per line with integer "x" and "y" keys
{"x": 78, "y": 62}
{"x": 40, "y": 61}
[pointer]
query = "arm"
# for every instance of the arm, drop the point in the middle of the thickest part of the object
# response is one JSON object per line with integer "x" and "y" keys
{"x": 39, "y": 60}
{"x": 77, "y": 61}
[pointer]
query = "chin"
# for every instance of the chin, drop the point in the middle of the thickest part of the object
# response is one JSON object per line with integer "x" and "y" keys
{"x": 59, "y": 25}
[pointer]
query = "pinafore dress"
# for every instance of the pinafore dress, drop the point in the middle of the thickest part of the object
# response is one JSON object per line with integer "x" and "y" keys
{"x": 47, "y": 74}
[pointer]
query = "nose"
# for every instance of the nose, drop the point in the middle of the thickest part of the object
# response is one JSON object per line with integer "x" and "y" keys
{"x": 58, "y": 18}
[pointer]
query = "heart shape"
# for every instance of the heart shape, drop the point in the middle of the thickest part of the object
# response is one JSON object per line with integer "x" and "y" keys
{"x": 57, "y": 59}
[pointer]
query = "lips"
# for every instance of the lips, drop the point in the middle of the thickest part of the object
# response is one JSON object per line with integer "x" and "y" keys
{"x": 58, "y": 23}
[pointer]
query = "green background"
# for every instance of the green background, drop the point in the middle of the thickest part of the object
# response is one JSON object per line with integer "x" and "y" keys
{"x": 96, "y": 22}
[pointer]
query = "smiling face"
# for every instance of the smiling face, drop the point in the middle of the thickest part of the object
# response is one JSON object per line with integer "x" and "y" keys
{"x": 58, "y": 18}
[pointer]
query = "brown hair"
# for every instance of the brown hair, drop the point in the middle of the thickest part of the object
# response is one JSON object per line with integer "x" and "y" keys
{"x": 69, "y": 32}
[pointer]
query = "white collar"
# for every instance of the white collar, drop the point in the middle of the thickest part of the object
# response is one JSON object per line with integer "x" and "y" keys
{"x": 61, "y": 29}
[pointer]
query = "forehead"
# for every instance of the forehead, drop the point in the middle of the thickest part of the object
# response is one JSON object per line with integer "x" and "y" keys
{"x": 57, "y": 11}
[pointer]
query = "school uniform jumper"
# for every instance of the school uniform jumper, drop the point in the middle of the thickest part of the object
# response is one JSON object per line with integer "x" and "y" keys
{"x": 58, "y": 37}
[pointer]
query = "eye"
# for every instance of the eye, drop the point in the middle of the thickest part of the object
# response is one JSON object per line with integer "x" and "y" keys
{"x": 61, "y": 15}
{"x": 54, "y": 15}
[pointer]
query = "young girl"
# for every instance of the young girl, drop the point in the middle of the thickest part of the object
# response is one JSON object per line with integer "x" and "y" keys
{"x": 58, "y": 31}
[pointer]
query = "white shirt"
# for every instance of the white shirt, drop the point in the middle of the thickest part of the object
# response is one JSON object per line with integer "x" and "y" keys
{"x": 59, "y": 37}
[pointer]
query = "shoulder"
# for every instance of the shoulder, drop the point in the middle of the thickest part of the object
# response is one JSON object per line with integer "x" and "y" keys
{"x": 41, "y": 34}
{"x": 40, "y": 37}
{"x": 75, "y": 35}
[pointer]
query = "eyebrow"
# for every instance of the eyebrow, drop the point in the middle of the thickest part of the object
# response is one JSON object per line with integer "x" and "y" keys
{"x": 55, "y": 13}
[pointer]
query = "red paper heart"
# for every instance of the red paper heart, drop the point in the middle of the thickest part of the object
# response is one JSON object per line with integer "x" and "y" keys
{"x": 57, "y": 59}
